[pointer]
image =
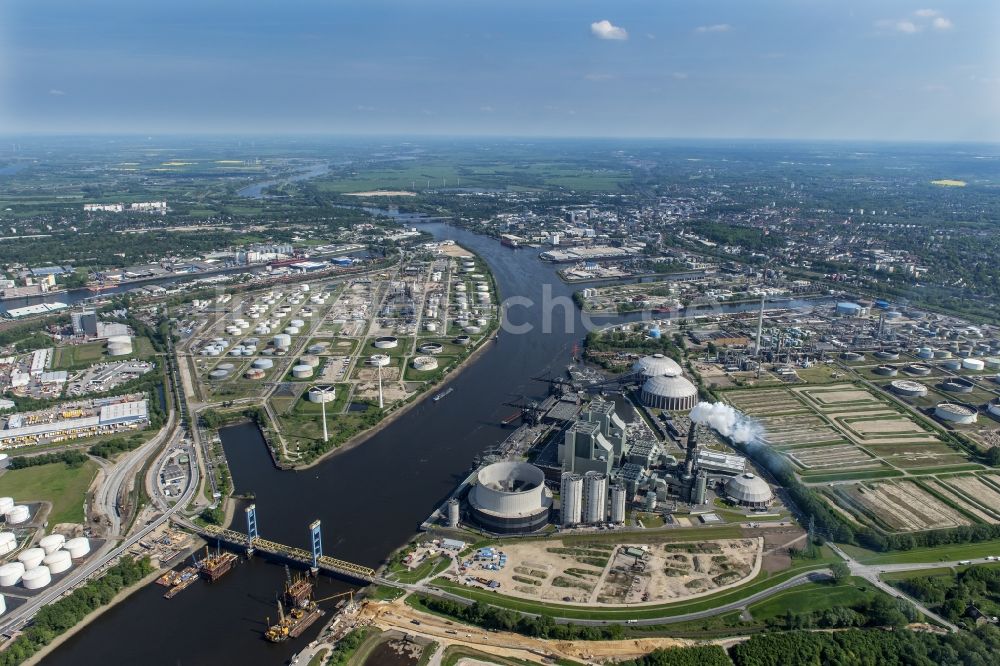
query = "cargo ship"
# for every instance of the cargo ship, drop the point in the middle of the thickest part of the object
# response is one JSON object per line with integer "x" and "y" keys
{"x": 302, "y": 611}
{"x": 212, "y": 568}
{"x": 181, "y": 581}
{"x": 442, "y": 394}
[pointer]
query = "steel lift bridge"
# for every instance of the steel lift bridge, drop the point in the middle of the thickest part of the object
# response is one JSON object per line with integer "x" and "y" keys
{"x": 252, "y": 542}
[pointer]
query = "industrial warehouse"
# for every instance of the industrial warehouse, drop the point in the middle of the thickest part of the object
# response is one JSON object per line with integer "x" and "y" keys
{"x": 86, "y": 419}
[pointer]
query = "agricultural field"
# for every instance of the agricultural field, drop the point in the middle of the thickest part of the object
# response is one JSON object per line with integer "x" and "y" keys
{"x": 900, "y": 506}
{"x": 598, "y": 574}
{"x": 844, "y": 428}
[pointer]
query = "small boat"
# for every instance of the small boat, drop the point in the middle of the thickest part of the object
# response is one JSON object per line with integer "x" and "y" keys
{"x": 443, "y": 394}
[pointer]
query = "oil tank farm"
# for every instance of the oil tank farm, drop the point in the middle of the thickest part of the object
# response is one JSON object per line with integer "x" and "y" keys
{"x": 510, "y": 498}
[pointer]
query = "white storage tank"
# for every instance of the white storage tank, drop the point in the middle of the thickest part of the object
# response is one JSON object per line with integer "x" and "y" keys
{"x": 282, "y": 341}
{"x": 19, "y": 514}
{"x": 263, "y": 364}
{"x": 10, "y": 574}
{"x": 8, "y": 542}
{"x": 78, "y": 547}
{"x": 58, "y": 562}
{"x": 310, "y": 360}
{"x": 973, "y": 364}
{"x": 37, "y": 578}
{"x": 291, "y": 330}
{"x": 31, "y": 557}
{"x": 297, "y": 322}
{"x": 302, "y": 372}
{"x": 51, "y": 543}
{"x": 6, "y": 504}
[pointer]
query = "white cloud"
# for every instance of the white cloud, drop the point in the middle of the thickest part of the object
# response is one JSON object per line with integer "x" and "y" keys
{"x": 917, "y": 22}
{"x": 680, "y": 76}
{"x": 487, "y": 109}
{"x": 607, "y": 30}
{"x": 362, "y": 107}
{"x": 598, "y": 76}
{"x": 57, "y": 93}
{"x": 718, "y": 27}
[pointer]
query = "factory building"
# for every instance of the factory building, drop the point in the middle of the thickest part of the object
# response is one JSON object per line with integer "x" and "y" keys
{"x": 603, "y": 413}
{"x": 585, "y": 449}
{"x": 510, "y": 498}
{"x": 595, "y": 497}
{"x": 571, "y": 499}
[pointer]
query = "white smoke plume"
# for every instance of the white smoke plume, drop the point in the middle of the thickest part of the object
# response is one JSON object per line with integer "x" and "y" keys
{"x": 728, "y": 422}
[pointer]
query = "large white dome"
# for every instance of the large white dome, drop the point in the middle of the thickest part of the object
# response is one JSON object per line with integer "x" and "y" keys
{"x": 670, "y": 386}
{"x": 656, "y": 365}
{"x": 749, "y": 489}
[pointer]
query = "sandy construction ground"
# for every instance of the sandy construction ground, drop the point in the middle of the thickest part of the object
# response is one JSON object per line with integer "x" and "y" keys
{"x": 602, "y": 574}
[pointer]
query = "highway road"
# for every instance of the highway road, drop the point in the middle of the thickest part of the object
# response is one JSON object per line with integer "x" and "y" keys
{"x": 871, "y": 573}
{"x": 17, "y": 618}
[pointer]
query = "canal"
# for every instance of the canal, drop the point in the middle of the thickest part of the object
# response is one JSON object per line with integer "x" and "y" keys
{"x": 371, "y": 499}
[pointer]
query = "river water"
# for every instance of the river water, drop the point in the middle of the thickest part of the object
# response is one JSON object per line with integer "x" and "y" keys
{"x": 371, "y": 499}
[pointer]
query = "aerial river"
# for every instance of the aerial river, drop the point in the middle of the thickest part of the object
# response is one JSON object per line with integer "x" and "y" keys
{"x": 371, "y": 499}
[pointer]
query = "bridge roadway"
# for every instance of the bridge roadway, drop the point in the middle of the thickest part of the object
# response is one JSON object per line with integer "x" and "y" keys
{"x": 325, "y": 562}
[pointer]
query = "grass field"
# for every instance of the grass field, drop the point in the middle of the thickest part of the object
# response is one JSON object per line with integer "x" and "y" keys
{"x": 810, "y": 597}
{"x": 947, "y": 553}
{"x": 65, "y": 487}
{"x": 74, "y": 357}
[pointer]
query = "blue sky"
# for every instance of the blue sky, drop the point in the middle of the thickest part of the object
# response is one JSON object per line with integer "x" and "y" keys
{"x": 826, "y": 69}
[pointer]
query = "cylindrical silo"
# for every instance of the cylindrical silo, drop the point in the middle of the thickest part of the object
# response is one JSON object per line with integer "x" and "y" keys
{"x": 698, "y": 491}
{"x": 617, "y": 504}
{"x": 571, "y": 499}
{"x": 8, "y": 542}
{"x": 31, "y": 557}
{"x": 595, "y": 497}
{"x": 78, "y": 547}
{"x": 302, "y": 372}
{"x": 453, "y": 512}
{"x": 51, "y": 543}
{"x": 282, "y": 341}
{"x": 6, "y": 504}
{"x": 36, "y": 578}
{"x": 19, "y": 514}
{"x": 10, "y": 574}
{"x": 58, "y": 562}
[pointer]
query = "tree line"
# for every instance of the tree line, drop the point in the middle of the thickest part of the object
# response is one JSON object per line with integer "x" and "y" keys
{"x": 59, "y": 616}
